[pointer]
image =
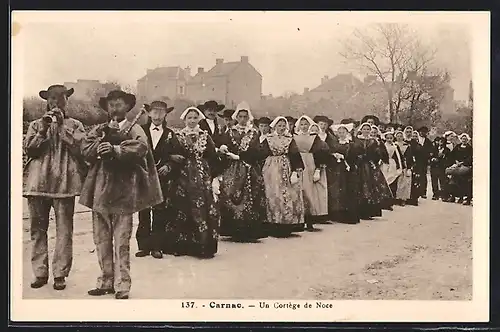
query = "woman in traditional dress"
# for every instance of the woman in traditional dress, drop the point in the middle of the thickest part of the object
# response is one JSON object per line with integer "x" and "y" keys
{"x": 282, "y": 173}
{"x": 461, "y": 170}
{"x": 384, "y": 159}
{"x": 193, "y": 205}
{"x": 313, "y": 152}
{"x": 242, "y": 193}
{"x": 417, "y": 156}
{"x": 373, "y": 189}
{"x": 393, "y": 168}
{"x": 342, "y": 177}
{"x": 403, "y": 192}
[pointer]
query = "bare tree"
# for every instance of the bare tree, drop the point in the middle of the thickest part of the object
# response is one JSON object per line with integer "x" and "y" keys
{"x": 394, "y": 54}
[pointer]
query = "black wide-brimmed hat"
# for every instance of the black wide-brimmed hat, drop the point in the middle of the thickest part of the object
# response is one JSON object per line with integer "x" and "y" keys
{"x": 423, "y": 129}
{"x": 227, "y": 113}
{"x": 440, "y": 138}
{"x": 128, "y": 98}
{"x": 56, "y": 89}
{"x": 211, "y": 104}
{"x": 160, "y": 104}
{"x": 321, "y": 118}
{"x": 347, "y": 121}
{"x": 263, "y": 120}
{"x": 371, "y": 117}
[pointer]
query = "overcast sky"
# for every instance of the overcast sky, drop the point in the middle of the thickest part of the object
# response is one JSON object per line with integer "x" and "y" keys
{"x": 290, "y": 55}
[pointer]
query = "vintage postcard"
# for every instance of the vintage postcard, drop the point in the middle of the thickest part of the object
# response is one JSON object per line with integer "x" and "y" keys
{"x": 250, "y": 166}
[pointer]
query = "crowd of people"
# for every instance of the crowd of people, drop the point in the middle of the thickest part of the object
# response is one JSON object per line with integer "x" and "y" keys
{"x": 241, "y": 177}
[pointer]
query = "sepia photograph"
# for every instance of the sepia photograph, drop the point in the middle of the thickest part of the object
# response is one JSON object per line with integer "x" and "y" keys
{"x": 277, "y": 165}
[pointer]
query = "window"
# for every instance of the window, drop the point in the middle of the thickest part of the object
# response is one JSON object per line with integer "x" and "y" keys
{"x": 181, "y": 90}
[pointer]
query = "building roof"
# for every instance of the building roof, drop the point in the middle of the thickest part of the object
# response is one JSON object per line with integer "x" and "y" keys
{"x": 337, "y": 82}
{"x": 164, "y": 72}
{"x": 223, "y": 69}
{"x": 219, "y": 70}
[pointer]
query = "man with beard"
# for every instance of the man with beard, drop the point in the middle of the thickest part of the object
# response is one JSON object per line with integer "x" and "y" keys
{"x": 122, "y": 180}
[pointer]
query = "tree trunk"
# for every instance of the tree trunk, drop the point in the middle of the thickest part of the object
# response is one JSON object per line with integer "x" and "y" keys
{"x": 391, "y": 106}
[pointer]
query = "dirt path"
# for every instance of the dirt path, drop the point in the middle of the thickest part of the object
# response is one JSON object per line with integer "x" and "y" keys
{"x": 412, "y": 253}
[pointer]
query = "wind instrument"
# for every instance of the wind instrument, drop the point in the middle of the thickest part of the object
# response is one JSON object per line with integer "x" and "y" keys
{"x": 114, "y": 135}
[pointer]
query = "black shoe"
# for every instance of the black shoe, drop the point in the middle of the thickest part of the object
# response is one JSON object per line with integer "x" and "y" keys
{"x": 460, "y": 200}
{"x": 157, "y": 254}
{"x": 39, "y": 282}
{"x": 435, "y": 198}
{"x": 59, "y": 283}
{"x": 101, "y": 291}
{"x": 424, "y": 196}
{"x": 142, "y": 253}
{"x": 121, "y": 295}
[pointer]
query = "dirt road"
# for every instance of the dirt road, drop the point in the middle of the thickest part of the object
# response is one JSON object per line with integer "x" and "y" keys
{"x": 411, "y": 253}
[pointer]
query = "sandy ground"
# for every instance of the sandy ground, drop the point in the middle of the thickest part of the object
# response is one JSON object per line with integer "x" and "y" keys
{"x": 411, "y": 253}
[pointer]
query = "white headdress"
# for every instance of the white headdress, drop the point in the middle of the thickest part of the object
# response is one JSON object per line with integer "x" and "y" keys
{"x": 243, "y": 106}
{"x": 391, "y": 132}
{"x": 276, "y": 119}
{"x": 314, "y": 124}
{"x": 449, "y": 132}
{"x": 192, "y": 108}
{"x": 348, "y": 126}
{"x": 297, "y": 123}
{"x": 466, "y": 135}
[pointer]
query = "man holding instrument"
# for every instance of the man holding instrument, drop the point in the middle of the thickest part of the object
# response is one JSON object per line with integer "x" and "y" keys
{"x": 122, "y": 180}
{"x": 53, "y": 176}
{"x": 163, "y": 143}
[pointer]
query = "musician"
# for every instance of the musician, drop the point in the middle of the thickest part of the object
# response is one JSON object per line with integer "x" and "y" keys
{"x": 210, "y": 110}
{"x": 163, "y": 143}
{"x": 122, "y": 180}
{"x": 53, "y": 177}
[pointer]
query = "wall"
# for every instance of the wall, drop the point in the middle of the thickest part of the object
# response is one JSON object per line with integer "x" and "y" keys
{"x": 156, "y": 88}
{"x": 244, "y": 84}
{"x": 214, "y": 89}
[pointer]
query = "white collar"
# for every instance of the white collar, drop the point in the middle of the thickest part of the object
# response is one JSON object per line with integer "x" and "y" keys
{"x": 210, "y": 120}
{"x": 122, "y": 123}
{"x": 160, "y": 127}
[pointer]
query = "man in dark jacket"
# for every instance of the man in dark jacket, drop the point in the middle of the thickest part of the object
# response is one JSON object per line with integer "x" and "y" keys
{"x": 422, "y": 163}
{"x": 210, "y": 124}
{"x": 439, "y": 162}
{"x": 163, "y": 144}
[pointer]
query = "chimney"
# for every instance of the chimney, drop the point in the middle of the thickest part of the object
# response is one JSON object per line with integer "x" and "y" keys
{"x": 324, "y": 79}
{"x": 244, "y": 59}
{"x": 306, "y": 90}
{"x": 219, "y": 61}
{"x": 187, "y": 70}
{"x": 200, "y": 70}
